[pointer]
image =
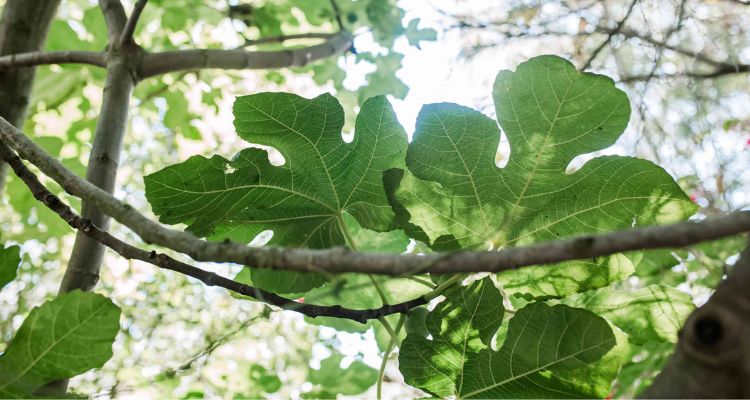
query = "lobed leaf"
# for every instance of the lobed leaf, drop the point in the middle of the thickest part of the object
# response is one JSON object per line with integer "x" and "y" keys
{"x": 302, "y": 201}
{"x": 548, "y": 351}
{"x": 551, "y": 113}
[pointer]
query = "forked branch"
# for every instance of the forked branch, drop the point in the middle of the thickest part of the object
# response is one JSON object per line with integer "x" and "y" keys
{"x": 164, "y": 261}
{"x": 340, "y": 260}
{"x": 127, "y": 32}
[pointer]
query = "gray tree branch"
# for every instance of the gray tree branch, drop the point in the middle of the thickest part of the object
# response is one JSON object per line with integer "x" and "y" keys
{"x": 22, "y": 29}
{"x": 83, "y": 267}
{"x": 182, "y": 60}
{"x": 127, "y": 33}
{"x": 339, "y": 260}
{"x": 164, "y": 261}
{"x": 114, "y": 16}
{"x": 53, "y": 57}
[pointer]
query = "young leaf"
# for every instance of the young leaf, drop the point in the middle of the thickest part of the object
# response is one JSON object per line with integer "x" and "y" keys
{"x": 463, "y": 323}
{"x": 653, "y": 313}
{"x": 302, "y": 201}
{"x": 10, "y": 258}
{"x": 62, "y": 338}
{"x": 551, "y": 113}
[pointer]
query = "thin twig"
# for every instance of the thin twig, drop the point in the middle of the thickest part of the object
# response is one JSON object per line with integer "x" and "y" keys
{"x": 614, "y": 32}
{"x": 127, "y": 32}
{"x": 337, "y": 14}
{"x": 284, "y": 38}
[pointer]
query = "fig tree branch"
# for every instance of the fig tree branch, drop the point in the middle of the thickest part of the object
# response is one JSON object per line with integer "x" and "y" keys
{"x": 127, "y": 32}
{"x": 338, "y": 260}
{"x": 115, "y": 18}
{"x": 53, "y": 57}
{"x": 614, "y": 32}
{"x": 153, "y": 64}
{"x": 164, "y": 261}
{"x": 181, "y": 60}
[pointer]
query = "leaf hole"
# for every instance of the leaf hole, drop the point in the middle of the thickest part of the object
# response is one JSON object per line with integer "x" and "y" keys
{"x": 347, "y": 137}
{"x": 502, "y": 156}
{"x": 262, "y": 238}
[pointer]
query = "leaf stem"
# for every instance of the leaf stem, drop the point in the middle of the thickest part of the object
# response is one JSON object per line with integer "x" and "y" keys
{"x": 387, "y": 353}
{"x": 344, "y": 231}
{"x": 422, "y": 281}
{"x": 443, "y": 286}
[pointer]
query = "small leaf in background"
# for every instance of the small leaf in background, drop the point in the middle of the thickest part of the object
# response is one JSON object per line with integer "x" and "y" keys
{"x": 10, "y": 259}
{"x": 178, "y": 118}
{"x": 551, "y": 113}
{"x": 653, "y": 313}
{"x": 264, "y": 380}
{"x": 60, "y": 339}
{"x": 415, "y": 34}
{"x": 332, "y": 379}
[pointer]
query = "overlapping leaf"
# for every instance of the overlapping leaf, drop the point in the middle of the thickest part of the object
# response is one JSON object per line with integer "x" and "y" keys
{"x": 541, "y": 342}
{"x": 10, "y": 258}
{"x": 462, "y": 324}
{"x": 63, "y": 338}
{"x": 551, "y": 113}
{"x": 302, "y": 201}
{"x": 332, "y": 380}
{"x": 544, "y": 350}
{"x": 653, "y": 313}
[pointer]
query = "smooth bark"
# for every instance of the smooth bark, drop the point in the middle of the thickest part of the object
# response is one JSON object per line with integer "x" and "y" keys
{"x": 85, "y": 260}
{"x": 712, "y": 357}
{"x": 23, "y": 28}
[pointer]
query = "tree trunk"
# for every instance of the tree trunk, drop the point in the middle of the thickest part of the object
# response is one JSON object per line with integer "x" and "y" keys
{"x": 23, "y": 28}
{"x": 712, "y": 358}
{"x": 86, "y": 258}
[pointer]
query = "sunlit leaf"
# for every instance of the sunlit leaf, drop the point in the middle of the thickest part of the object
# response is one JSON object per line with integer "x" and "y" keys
{"x": 302, "y": 201}
{"x": 551, "y": 113}
{"x": 653, "y": 313}
{"x": 460, "y": 325}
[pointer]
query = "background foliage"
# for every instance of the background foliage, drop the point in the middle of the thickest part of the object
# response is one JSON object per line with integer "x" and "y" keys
{"x": 197, "y": 341}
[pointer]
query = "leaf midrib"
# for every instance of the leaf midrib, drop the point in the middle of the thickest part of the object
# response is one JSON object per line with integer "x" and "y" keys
{"x": 49, "y": 348}
{"x": 511, "y": 213}
{"x": 535, "y": 370}
{"x": 313, "y": 145}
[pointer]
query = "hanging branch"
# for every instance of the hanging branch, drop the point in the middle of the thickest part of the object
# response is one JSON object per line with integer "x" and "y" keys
{"x": 164, "y": 261}
{"x": 339, "y": 260}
